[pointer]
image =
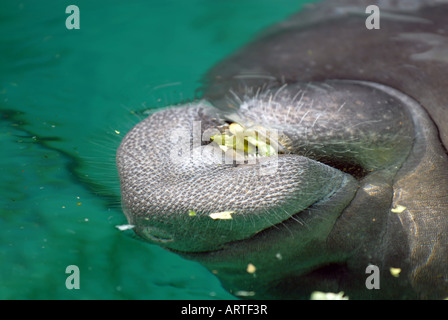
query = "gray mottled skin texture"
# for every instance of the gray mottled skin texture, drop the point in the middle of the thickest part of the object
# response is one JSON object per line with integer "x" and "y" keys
{"x": 362, "y": 177}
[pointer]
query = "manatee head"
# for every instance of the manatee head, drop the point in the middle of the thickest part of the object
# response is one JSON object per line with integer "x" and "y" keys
{"x": 296, "y": 180}
{"x": 318, "y": 154}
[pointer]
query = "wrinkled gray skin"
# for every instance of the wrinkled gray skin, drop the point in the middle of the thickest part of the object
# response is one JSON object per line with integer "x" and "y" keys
{"x": 363, "y": 178}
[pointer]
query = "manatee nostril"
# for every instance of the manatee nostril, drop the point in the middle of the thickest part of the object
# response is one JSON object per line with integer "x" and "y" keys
{"x": 156, "y": 234}
{"x": 352, "y": 168}
{"x": 348, "y": 126}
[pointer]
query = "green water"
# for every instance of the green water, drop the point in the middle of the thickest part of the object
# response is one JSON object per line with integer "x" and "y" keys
{"x": 67, "y": 97}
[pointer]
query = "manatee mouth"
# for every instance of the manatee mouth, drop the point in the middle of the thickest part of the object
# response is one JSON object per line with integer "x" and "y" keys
{"x": 197, "y": 179}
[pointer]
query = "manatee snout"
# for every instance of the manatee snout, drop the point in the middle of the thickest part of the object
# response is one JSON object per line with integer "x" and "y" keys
{"x": 201, "y": 201}
{"x": 191, "y": 195}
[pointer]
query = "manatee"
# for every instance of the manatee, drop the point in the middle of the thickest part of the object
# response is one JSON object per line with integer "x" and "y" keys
{"x": 316, "y": 154}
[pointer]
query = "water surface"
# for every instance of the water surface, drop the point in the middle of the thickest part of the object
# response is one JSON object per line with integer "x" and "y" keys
{"x": 67, "y": 97}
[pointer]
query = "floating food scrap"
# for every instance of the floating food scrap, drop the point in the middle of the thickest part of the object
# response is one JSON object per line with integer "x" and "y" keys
{"x": 395, "y": 272}
{"x": 191, "y": 213}
{"x": 398, "y": 209}
{"x": 255, "y": 141}
{"x": 125, "y": 227}
{"x": 243, "y": 293}
{"x": 319, "y": 295}
{"x": 225, "y": 215}
{"x": 251, "y": 268}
